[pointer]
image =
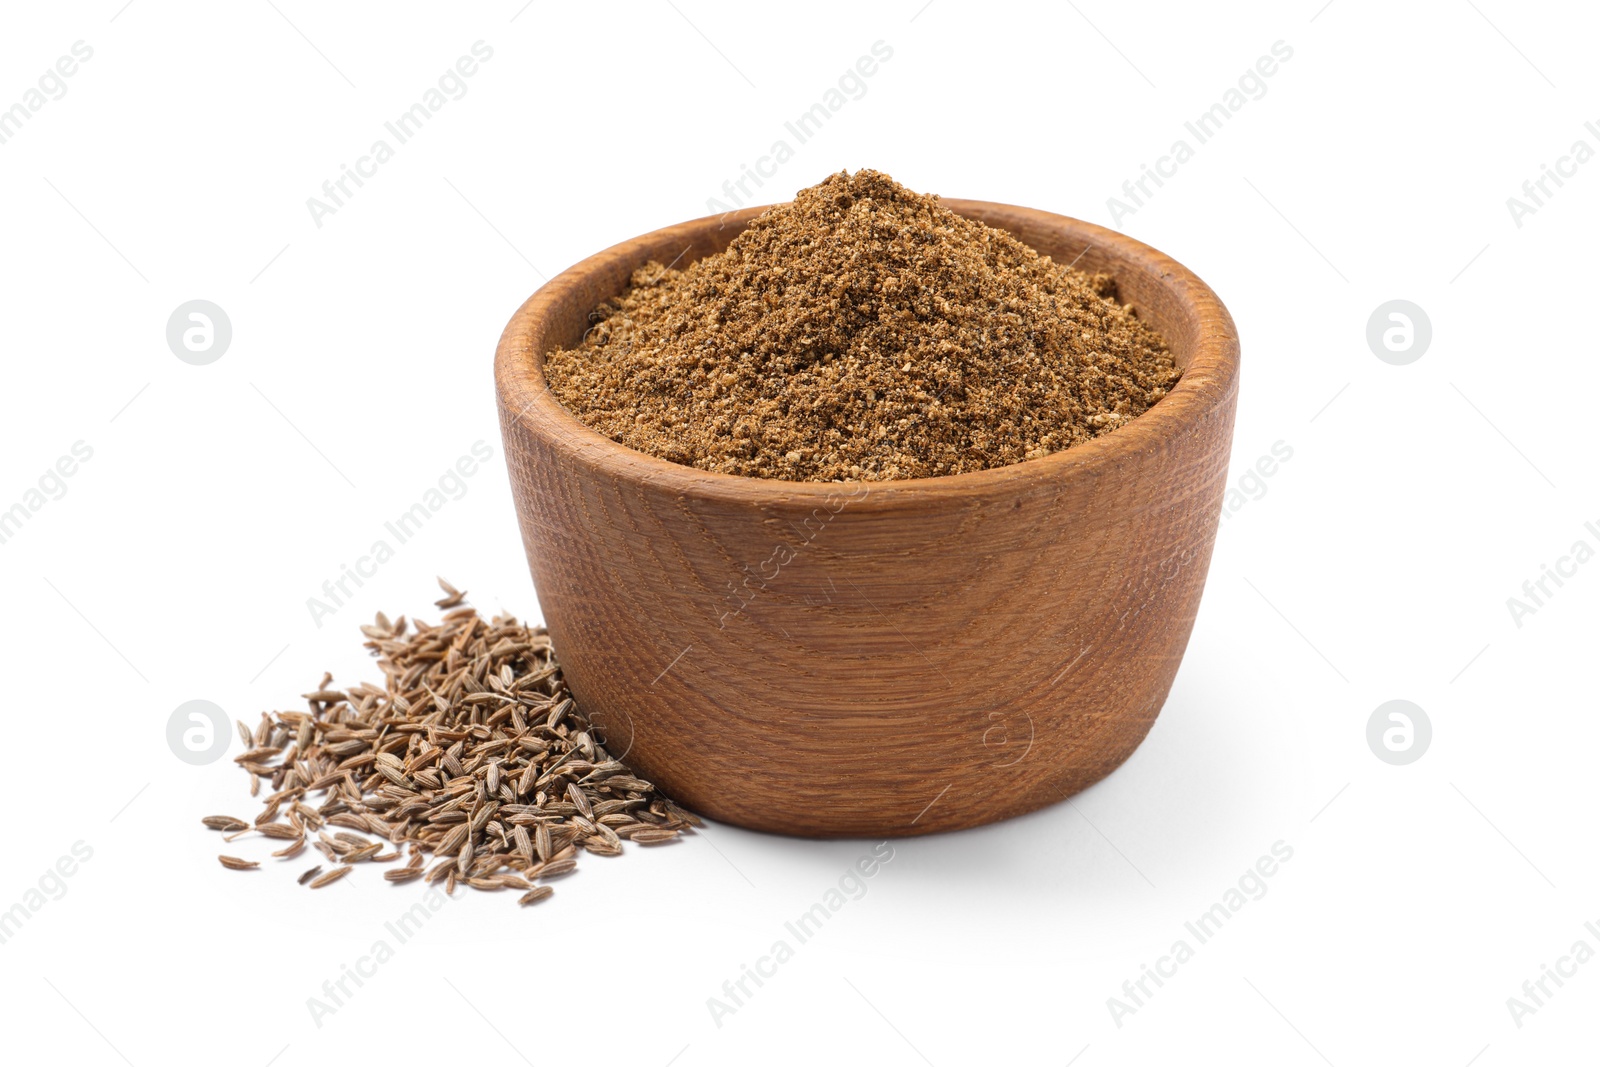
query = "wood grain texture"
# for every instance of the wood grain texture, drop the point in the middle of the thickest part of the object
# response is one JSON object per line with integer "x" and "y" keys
{"x": 882, "y": 658}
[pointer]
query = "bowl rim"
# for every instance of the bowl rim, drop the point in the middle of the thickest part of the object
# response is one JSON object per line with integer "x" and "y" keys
{"x": 1208, "y": 384}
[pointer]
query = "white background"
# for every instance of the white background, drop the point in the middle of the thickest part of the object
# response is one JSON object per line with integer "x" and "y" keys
{"x": 1377, "y": 564}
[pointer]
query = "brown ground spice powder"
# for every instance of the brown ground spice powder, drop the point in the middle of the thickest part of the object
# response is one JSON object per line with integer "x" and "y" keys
{"x": 862, "y": 332}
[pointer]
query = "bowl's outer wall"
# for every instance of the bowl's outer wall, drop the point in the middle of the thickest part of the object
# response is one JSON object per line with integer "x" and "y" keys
{"x": 878, "y": 658}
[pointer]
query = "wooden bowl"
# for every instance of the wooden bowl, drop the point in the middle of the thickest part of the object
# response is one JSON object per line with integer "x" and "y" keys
{"x": 881, "y": 658}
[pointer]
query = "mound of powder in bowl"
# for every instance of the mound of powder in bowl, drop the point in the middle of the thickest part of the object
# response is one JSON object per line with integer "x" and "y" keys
{"x": 862, "y": 333}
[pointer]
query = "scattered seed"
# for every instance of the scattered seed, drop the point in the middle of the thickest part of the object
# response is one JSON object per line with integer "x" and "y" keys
{"x": 234, "y": 863}
{"x": 471, "y": 752}
{"x": 536, "y": 894}
{"x": 330, "y": 877}
{"x": 452, "y": 597}
{"x": 579, "y": 799}
{"x": 524, "y": 842}
{"x": 557, "y": 868}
